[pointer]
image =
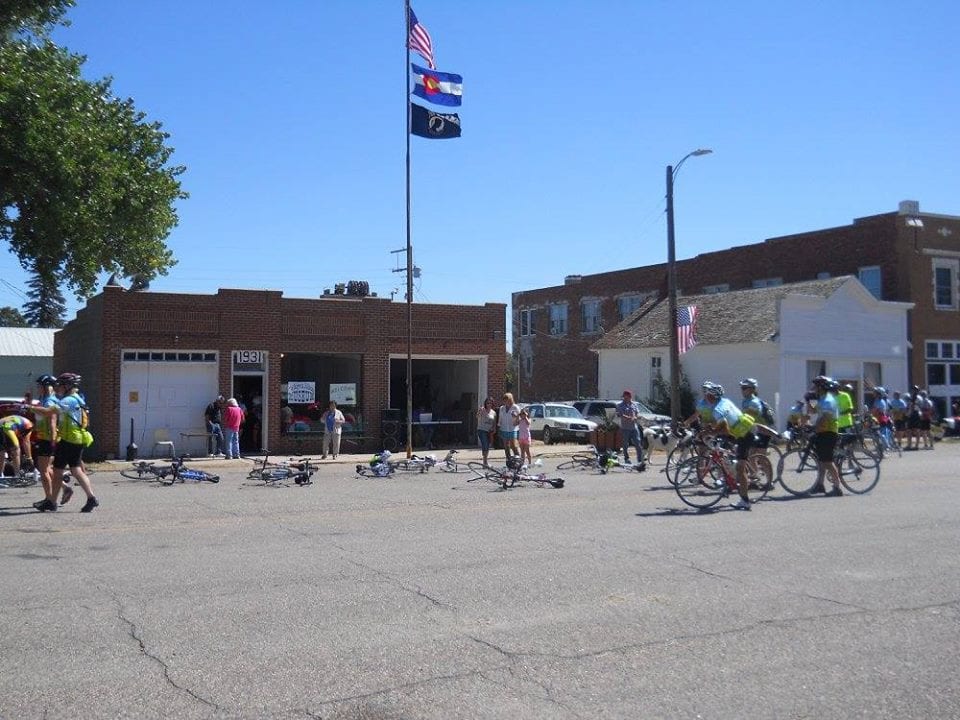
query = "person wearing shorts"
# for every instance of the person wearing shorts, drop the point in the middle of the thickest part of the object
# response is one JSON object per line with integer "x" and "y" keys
{"x": 728, "y": 418}
{"x": 508, "y": 419}
{"x": 69, "y": 450}
{"x": 46, "y": 412}
{"x": 826, "y": 433}
{"x": 16, "y": 439}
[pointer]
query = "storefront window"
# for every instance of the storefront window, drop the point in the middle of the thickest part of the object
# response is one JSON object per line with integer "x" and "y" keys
{"x": 309, "y": 381}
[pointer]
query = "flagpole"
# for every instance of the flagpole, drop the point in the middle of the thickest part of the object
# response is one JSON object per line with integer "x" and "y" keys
{"x": 406, "y": 44}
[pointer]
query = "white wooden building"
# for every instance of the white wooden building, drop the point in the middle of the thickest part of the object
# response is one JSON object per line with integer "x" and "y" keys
{"x": 783, "y": 336}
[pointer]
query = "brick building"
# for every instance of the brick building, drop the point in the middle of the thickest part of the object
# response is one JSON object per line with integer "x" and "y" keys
{"x": 906, "y": 256}
{"x": 158, "y": 359}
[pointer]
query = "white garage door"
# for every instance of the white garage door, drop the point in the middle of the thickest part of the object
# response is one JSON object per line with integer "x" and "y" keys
{"x": 164, "y": 390}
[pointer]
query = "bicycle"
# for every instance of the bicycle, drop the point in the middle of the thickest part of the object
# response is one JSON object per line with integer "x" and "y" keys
{"x": 705, "y": 479}
{"x": 378, "y": 466}
{"x": 588, "y": 460}
{"x": 300, "y": 470}
{"x": 179, "y": 472}
{"x": 449, "y": 463}
{"x": 514, "y": 472}
{"x": 858, "y": 468}
{"x": 145, "y": 470}
{"x": 415, "y": 463}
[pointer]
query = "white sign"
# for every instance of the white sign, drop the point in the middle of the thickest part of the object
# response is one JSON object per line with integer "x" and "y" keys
{"x": 343, "y": 393}
{"x": 301, "y": 392}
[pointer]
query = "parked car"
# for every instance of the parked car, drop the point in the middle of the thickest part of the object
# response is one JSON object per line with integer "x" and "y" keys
{"x": 551, "y": 422}
{"x": 600, "y": 410}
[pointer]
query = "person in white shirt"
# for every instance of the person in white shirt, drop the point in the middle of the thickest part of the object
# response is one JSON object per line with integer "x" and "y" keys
{"x": 508, "y": 419}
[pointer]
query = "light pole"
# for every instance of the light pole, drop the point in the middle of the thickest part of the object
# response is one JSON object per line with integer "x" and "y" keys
{"x": 672, "y": 171}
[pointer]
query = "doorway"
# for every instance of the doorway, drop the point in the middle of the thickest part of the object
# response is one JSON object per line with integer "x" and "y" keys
{"x": 248, "y": 390}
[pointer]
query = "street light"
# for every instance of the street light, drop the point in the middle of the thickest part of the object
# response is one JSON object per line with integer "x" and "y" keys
{"x": 672, "y": 171}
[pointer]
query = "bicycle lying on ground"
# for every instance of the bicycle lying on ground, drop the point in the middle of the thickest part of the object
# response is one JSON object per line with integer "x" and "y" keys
{"x": 378, "y": 466}
{"x": 300, "y": 470}
{"x": 176, "y": 471}
{"x": 513, "y": 473}
{"x": 604, "y": 461}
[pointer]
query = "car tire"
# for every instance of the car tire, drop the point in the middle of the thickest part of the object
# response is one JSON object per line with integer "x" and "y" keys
{"x": 548, "y": 436}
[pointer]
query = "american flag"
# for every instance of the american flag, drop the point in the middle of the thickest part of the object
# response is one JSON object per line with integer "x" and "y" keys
{"x": 419, "y": 39}
{"x": 686, "y": 328}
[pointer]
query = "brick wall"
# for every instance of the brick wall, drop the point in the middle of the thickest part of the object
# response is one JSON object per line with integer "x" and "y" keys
{"x": 265, "y": 320}
{"x": 877, "y": 240}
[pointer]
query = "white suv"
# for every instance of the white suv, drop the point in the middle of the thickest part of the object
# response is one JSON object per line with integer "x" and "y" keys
{"x": 555, "y": 421}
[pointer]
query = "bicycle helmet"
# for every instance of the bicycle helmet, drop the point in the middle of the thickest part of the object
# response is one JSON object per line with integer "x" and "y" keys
{"x": 46, "y": 380}
{"x": 823, "y": 381}
{"x": 711, "y": 388}
{"x": 748, "y": 383}
{"x": 68, "y": 379}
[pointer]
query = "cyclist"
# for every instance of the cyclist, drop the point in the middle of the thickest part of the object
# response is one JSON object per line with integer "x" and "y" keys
{"x": 825, "y": 433}
{"x": 703, "y": 413}
{"x": 46, "y": 413}
{"x": 927, "y": 412}
{"x": 880, "y": 410}
{"x": 845, "y": 405}
{"x": 16, "y": 439}
{"x": 898, "y": 411}
{"x": 728, "y": 418}
{"x": 69, "y": 451}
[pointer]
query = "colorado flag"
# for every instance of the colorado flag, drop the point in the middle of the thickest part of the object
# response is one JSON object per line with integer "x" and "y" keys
{"x": 437, "y": 87}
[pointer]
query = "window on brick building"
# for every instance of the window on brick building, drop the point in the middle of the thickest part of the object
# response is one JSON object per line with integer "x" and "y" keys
{"x": 714, "y": 289}
{"x": 590, "y": 316}
{"x": 558, "y": 319}
{"x": 768, "y": 282}
{"x": 943, "y": 365}
{"x": 945, "y": 273}
{"x": 314, "y": 374}
{"x": 627, "y": 304}
{"x": 872, "y": 280}
{"x": 526, "y": 323}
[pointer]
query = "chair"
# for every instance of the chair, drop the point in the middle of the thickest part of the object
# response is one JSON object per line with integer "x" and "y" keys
{"x": 161, "y": 438}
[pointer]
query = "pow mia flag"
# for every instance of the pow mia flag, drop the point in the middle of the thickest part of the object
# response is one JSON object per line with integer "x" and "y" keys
{"x": 433, "y": 126}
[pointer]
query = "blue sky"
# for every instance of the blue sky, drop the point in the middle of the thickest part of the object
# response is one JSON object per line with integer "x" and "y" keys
{"x": 290, "y": 118}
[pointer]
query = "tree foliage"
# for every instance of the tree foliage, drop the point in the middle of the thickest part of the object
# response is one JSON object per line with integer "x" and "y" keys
{"x": 46, "y": 307}
{"x": 11, "y": 317}
{"x": 31, "y": 16}
{"x": 85, "y": 185}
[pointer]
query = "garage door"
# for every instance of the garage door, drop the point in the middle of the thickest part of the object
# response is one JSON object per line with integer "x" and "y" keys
{"x": 164, "y": 390}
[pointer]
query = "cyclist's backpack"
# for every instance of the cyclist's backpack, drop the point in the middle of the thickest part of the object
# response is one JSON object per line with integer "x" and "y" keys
{"x": 767, "y": 414}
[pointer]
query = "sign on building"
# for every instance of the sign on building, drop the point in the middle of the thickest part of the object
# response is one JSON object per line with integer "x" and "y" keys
{"x": 301, "y": 392}
{"x": 343, "y": 393}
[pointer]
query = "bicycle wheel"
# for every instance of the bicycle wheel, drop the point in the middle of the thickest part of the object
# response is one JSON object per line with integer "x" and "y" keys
{"x": 855, "y": 476}
{"x": 478, "y": 469}
{"x": 701, "y": 483}
{"x": 761, "y": 476}
{"x": 797, "y": 472}
{"x": 578, "y": 461}
{"x": 675, "y": 457}
{"x": 140, "y": 471}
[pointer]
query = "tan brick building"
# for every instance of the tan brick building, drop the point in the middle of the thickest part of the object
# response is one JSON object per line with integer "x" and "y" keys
{"x": 908, "y": 256}
{"x": 159, "y": 358}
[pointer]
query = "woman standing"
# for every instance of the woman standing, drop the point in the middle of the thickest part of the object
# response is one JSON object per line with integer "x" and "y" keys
{"x": 508, "y": 421}
{"x": 486, "y": 422}
{"x": 232, "y": 420}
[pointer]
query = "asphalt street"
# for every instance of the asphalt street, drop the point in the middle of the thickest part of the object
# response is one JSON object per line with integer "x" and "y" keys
{"x": 425, "y": 596}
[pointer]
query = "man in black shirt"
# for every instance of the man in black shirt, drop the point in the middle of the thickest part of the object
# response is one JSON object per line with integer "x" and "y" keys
{"x": 214, "y": 416}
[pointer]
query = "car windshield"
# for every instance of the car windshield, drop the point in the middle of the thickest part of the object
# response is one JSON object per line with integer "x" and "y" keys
{"x": 563, "y": 411}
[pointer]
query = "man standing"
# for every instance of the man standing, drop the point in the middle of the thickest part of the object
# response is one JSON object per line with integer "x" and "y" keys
{"x": 825, "y": 433}
{"x": 333, "y": 421}
{"x": 214, "y": 417}
{"x": 629, "y": 413}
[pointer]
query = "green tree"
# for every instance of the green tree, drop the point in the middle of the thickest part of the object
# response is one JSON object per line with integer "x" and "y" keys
{"x": 85, "y": 185}
{"x": 31, "y": 16}
{"x": 660, "y": 403}
{"x": 46, "y": 307}
{"x": 11, "y": 317}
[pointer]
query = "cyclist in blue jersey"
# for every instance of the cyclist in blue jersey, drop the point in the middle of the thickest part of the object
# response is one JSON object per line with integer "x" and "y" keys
{"x": 728, "y": 418}
{"x": 826, "y": 433}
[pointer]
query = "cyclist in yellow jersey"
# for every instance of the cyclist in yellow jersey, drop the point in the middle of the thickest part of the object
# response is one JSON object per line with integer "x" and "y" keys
{"x": 46, "y": 414}
{"x": 825, "y": 433}
{"x": 845, "y": 404}
{"x": 16, "y": 439}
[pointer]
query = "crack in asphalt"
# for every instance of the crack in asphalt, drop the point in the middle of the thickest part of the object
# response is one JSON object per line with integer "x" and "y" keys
{"x": 132, "y": 632}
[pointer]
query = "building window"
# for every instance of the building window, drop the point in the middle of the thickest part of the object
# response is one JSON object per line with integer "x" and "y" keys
{"x": 308, "y": 381}
{"x": 528, "y": 365}
{"x": 627, "y": 304}
{"x": 714, "y": 289}
{"x": 558, "y": 319}
{"x": 526, "y": 323}
{"x": 936, "y": 374}
{"x": 872, "y": 374}
{"x": 943, "y": 365}
{"x": 768, "y": 282}
{"x": 871, "y": 279}
{"x": 815, "y": 368}
{"x": 590, "y": 316}
{"x": 945, "y": 273}
{"x": 656, "y": 378}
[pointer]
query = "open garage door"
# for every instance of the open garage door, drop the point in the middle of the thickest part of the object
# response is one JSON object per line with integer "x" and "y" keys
{"x": 167, "y": 391}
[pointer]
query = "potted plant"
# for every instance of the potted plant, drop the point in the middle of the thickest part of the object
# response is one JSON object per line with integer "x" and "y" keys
{"x": 607, "y": 436}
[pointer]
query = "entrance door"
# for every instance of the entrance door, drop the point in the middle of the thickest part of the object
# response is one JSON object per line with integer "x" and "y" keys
{"x": 248, "y": 390}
